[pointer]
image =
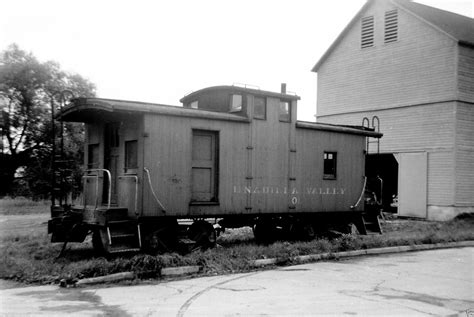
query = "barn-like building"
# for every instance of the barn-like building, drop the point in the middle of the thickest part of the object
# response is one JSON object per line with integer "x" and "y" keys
{"x": 411, "y": 66}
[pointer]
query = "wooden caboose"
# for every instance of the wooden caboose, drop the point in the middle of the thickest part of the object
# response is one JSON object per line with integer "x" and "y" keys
{"x": 230, "y": 153}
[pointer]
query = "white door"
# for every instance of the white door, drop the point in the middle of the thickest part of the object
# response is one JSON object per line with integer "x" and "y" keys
{"x": 412, "y": 184}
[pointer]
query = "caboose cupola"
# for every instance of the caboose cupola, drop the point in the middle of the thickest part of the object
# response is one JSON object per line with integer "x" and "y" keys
{"x": 238, "y": 100}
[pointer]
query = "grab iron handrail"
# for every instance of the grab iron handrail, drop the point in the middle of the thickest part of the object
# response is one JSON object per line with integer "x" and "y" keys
{"x": 361, "y": 194}
{"x": 109, "y": 177}
{"x": 152, "y": 191}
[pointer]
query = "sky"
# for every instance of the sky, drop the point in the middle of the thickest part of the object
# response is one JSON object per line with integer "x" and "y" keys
{"x": 159, "y": 51}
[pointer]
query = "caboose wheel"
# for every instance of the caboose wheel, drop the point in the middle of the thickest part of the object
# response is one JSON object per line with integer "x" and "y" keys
{"x": 100, "y": 241}
{"x": 308, "y": 232}
{"x": 302, "y": 229}
{"x": 162, "y": 239}
{"x": 264, "y": 231}
{"x": 203, "y": 233}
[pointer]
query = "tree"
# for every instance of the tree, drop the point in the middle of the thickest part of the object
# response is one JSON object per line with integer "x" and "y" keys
{"x": 28, "y": 88}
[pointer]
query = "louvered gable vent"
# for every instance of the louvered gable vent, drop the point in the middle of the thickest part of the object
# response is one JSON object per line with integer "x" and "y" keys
{"x": 391, "y": 26}
{"x": 367, "y": 32}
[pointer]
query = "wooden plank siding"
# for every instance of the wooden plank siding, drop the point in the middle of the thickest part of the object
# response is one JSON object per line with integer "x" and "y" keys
{"x": 270, "y": 160}
{"x": 319, "y": 194}
{"x": 167, "y": 154}
{"x": 265, "y": 166}
{"x": 252, "y": 159}
{"x": 466, "y": 73}
{"x": 441, "y": 178}
{"x": 429, "y": 127}
{"x": 418, "y": 68}
{"x": 465, "y": 154}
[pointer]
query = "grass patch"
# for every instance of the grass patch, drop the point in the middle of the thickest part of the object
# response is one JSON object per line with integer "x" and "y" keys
{"x": 27, "y": 256}
{"x": 23, "y": 206}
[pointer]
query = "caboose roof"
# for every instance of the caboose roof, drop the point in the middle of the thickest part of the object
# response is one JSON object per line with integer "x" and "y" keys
{"x": 85, "y": 109}
{"x": 253, "y": 91}
{"x": 349, "y": 129}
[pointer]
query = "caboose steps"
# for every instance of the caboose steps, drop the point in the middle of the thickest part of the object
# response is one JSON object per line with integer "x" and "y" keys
{"x": 117, "y": 236}
{"x": 371, "y": 223}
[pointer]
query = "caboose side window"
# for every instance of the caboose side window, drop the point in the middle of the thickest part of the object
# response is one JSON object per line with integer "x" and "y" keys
{"x": 330, "y": 165}
{"x": 235, "y": 103}
{"x": 259, "y": 108}
{"x": 131, "y": 155}
{"x": 194, "y": 104}
{"x": 284, "y": 114}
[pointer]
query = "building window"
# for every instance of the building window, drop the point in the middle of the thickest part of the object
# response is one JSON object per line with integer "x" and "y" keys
{"x": 367, "y": 32}
{"x": 285, "y": 113}
{"x": 93, "y": 156}
{"x": 194, "y": 104}
{"x": 259, "y": 108}
{"x": 330, "y": 165}
{"x": 391, "y": 26}
{"x": 131, "y": 155}
{"x": 235, "y": 103}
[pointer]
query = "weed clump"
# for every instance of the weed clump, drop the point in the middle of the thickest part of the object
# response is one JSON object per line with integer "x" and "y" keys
{"x": 347, "y": 242}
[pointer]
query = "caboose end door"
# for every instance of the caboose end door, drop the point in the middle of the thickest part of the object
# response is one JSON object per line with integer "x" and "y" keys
{"x": 111, "y": 158}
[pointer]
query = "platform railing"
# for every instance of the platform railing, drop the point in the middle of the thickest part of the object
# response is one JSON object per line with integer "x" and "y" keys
{"x": 96, "y": 176}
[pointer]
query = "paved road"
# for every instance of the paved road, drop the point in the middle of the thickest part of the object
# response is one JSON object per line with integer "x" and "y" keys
{"x": 437, "y": 282}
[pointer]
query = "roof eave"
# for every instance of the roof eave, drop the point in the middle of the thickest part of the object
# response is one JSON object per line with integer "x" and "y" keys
{"x": 94, "y": 104}
{"x": 339, "y": 129}
{"x": 80, "y": 104}
{"x": 466, "y": 43}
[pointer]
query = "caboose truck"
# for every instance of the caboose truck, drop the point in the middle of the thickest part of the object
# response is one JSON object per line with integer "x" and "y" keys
{"x": 231, "y": 153}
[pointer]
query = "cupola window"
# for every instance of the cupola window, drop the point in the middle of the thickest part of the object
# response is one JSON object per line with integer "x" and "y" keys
{"x": 194, "y": 104}
{"x": 259, "y": 108}
{"x": 284, "y": 114}
{"x": 236, "y": 103}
